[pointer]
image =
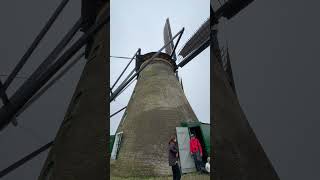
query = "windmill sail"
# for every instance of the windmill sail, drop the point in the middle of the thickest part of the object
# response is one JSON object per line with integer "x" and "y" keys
{"x": 167, "y": 35}
{"x": 200, "y": 38}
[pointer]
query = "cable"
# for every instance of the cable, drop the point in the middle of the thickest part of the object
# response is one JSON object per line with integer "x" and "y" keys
{"x": 29, "y": 88}
{"x": 135, "y": 54}
{"x": 122, "y": 57}
{"x": 118, "y": 111}
{"x": 124, "y": 88}
{"x": 34, "y": 44}
{"x": 117, "y": 91}
{"x": 25, "y": 159}
{"x": 51, "y": 83}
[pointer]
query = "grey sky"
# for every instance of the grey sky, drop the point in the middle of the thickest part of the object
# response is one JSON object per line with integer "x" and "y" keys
{"x": 21, "y": 22}
{"x": 139, "y": 24}
{"x": 274, "y": 49}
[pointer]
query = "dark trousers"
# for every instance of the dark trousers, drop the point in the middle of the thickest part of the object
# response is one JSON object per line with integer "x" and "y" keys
{"x": 176, "y": 172}
{"x": 197, "y": 160}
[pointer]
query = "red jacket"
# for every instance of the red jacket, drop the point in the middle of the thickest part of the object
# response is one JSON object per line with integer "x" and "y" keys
{"x": 195, "y": 145}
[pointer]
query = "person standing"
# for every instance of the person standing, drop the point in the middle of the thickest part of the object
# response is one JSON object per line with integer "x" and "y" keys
{"x": 173, "y": 158}
{"x": 196, "y": 152}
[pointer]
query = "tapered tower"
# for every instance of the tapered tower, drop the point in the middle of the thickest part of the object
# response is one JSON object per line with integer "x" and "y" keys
{"x": 157, "y": 106}
{"x": 79, "y": 149}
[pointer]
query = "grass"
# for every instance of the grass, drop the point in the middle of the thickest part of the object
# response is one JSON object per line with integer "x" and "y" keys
{"x": 190, "y": 176}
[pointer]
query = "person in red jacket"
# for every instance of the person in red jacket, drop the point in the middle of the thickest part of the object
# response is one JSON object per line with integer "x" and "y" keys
{"x": 196, "y": 152}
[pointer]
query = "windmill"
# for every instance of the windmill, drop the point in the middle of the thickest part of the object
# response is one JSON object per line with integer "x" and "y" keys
{"x": 79, "y": 148}
{"x": 238, "y": 153}
{"x": 156, "y": 108}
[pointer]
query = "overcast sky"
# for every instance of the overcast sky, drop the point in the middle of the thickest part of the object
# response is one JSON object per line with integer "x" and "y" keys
{"x": 274, "y": 48}
{"x": 139, "y": 24}
{"x": 21, "y": 21}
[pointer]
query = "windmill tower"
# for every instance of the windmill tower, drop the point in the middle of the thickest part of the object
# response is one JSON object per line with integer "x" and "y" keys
{"x": 237, "y": 151}
{"x": 157, "y": 106}
{"x": 79, "y": 148}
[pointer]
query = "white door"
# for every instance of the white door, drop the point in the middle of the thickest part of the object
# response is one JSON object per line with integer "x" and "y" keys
{"x": 116, "y": 145}
{"x": 186, "y": 161}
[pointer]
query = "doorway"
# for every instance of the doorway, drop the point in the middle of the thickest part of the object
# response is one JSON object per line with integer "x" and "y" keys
{"x": 196, "y": 130}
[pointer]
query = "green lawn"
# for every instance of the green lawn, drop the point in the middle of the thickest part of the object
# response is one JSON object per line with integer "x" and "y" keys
{"x": 191, "y": 176}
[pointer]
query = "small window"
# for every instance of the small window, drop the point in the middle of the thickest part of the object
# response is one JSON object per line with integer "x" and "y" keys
{"x": 116, "y": 145}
